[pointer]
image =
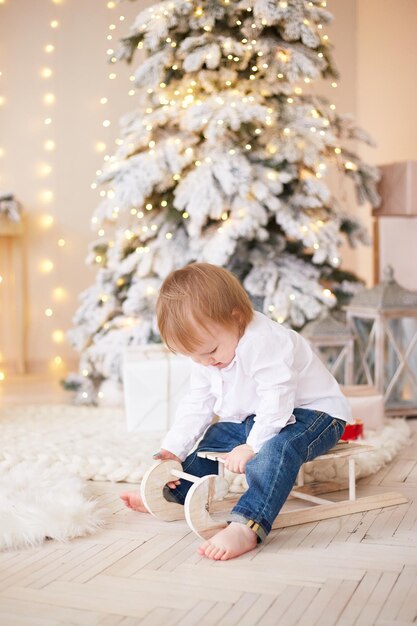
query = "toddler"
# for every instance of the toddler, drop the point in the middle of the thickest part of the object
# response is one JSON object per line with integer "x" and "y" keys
{"x": 277, "y": 404}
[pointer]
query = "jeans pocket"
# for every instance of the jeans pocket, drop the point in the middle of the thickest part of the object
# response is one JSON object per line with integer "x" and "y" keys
{"x": 325, "y": 440}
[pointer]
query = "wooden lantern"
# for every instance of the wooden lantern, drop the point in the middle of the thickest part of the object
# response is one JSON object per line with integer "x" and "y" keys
{"x": 383, "y": 320}
{"x": 332, "y": 341}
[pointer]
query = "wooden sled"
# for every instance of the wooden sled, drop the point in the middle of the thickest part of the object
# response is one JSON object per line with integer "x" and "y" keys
{"x": 205, "y": 508}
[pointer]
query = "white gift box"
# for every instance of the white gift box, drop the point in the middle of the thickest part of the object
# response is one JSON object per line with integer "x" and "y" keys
{"x": 366, "y": 404}
{"x": 154, "y": 382}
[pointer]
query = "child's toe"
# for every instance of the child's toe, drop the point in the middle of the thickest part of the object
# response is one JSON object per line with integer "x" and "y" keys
{"x": 211, "y": 551}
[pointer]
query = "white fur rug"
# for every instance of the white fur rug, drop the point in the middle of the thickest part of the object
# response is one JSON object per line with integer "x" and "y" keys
{"x": 46, "y": 454}
{"x": 40, "y": 502}
{"x": 48, "y": 451}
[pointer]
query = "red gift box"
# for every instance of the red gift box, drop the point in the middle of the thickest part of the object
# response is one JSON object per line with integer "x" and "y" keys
{"x": 353, "y": 431}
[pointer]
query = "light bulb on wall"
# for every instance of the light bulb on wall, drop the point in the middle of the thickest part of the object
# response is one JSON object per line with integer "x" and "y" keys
{"x": 46, "y": 266}
{"x": 58, "y": 336}
{"x": 59, "y": 294}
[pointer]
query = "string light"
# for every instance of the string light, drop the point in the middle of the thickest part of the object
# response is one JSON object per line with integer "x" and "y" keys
{"x": 49, "y": 98}
{"x": 44, "y": 169}
{"x": 46, "y": 221}
{"x": 47, "y": 195}
{"x": 46, "y": 266}
{"x": 350, "y": 166}
{"x": 59, "y": 294}
{"x": 46, "y": 72}
{"x": 58, "y": 336}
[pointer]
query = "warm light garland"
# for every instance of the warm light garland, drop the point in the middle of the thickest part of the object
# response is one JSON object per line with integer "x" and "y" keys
{"x": 45, "y": 169}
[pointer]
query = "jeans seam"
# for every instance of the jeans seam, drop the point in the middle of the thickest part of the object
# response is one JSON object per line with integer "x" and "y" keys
{"x": 332, "y": 423}
{"x": 319, "y": 416}
{"x": 262, "y": 511}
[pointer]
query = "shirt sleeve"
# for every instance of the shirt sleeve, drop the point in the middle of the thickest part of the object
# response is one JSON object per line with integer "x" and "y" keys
{"x": 270, "y": 363}
{"x": 193, "y": 415}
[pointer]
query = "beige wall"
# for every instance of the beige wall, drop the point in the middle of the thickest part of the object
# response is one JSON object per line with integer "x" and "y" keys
{"x": 373, "y": 49}
{"x": 387, "y": 108}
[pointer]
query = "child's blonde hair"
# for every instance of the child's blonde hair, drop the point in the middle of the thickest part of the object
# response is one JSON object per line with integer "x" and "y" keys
{"x": 196, "y": 295}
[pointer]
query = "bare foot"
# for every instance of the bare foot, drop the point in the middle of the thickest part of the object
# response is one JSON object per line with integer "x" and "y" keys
{"x": 133, "y": 501}
{"x": 232, "y": 541}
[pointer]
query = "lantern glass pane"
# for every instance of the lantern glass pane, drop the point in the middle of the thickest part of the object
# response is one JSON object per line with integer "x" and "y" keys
{"x": 334, "y": 357}
{"x": 364, "y": 370}
{"x": 400, "y": 363}
{"x": 393, "y": 346}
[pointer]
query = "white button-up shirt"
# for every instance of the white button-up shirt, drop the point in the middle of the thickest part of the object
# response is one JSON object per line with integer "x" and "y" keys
{"x": 274, "y": 371}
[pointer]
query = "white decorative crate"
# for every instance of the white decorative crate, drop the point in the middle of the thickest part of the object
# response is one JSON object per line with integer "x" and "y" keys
{"x": 154, "y": 382}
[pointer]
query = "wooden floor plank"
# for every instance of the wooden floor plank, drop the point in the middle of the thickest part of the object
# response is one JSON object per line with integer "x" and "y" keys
{"x": 76, "y": 595}
{"x": 373, "y": 606}
{"x": 291, "y": 617}
{"x": 197, "y": 613}
{"x": 144, "y": 554}
{"x": 239, "y": 609}
{"x": 215, "y": 614}
{"x": 97, "y": 562}
{"x": 312, "y": 614}
{"x": 159, "y": 616}
{"x": 43, "y": 613}
{"x": 359, "y": 598}
{"x": 330, "y": 617}
{"x": 395, "y": 602}
{"x": 282, "y": 602}
{"x": 255, "y": 614}
{"x": 175, "y": 588}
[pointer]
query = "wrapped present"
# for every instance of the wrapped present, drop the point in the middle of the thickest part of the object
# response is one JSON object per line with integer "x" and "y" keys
{"x": 367, "y": 405}
{"x": 398, "y": 189}
{"x": 353, "y": 431}
{"x": 154, "y": 381}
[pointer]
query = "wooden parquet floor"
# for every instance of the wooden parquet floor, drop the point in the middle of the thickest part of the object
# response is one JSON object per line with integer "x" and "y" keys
{"x": 356, "y": 570}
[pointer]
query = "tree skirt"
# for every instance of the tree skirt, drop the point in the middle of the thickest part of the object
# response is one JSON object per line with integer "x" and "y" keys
{"x": 46, "y": 450}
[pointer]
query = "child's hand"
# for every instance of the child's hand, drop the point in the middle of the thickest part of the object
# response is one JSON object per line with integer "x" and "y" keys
{"x": 236, "y": 459}
{"x": 163, "y": 455}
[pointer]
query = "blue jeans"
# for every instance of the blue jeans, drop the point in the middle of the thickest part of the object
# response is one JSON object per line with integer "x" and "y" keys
{"x": 272, "y": 472}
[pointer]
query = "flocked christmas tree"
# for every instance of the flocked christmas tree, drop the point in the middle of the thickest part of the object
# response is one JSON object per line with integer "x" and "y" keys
{"x": 223, "y": 160}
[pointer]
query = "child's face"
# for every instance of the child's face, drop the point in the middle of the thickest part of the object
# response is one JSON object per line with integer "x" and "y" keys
{"x": 218, "y": 346}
